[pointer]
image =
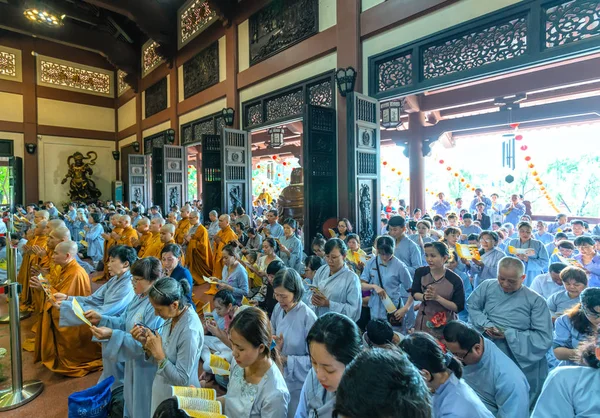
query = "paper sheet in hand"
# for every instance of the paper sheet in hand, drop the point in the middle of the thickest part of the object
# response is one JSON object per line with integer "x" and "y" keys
{"x": 389, "y": 305}
{"x": 525, "y": 251}
{"x": 210, "y": 280}
{"x": 206, "y": 309}
{"x": 219, "y": 366}
{"x": 468, "y": 252}
{"x": 46, "y": 287}
{"x": 245, "y": 301}
{"x": 78, "y": 311}
{"x": 189, "y": 392}
{"x": 201, "y": 414}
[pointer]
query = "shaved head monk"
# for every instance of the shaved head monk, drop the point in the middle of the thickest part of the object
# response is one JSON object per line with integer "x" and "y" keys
{"x": 183, "y": 226}
{"x": 154, "y": 244}
{"x": 223, "y": 237}
{"x": 128, "y": 235}
{"x": 198, "y": 254}
{"x": 66, "y": 350}
{"x": 32, "y": 256}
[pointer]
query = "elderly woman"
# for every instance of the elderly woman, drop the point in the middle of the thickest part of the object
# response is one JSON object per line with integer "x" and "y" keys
{"x": 530, "y": 251}
{"x": 292, "y": 320}
{"x": 589, "y": 259}
{"x": 574, "y": 282}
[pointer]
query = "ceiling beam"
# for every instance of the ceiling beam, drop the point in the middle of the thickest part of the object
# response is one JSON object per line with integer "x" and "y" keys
{"x": 225, "y": 10}
{"x": 120, "y": 54}
{"x": 156, "y": 21}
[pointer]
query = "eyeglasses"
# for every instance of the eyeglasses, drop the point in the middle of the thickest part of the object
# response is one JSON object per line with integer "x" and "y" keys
{"x": 462, "y": 358}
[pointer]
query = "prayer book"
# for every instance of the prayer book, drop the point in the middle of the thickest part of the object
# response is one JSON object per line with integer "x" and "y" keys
{"x": 191, "y": 392}
{"x": 219, "y": 365}
{"x": 389, "y": 305}
{"x": 46, "y": 287}
{"x": 468, "y": 252}
{"x": 525, "y": 251}
{"x": 78, "y": 311}
{"x": 245, "y": 301}
{"x": 198, "y": 405}
{"x": 211, "y": 280}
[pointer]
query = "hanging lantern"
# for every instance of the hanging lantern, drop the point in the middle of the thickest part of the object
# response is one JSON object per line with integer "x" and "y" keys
{"x": 284, "y": 163}
{"x": 393, "y": 168}
{"x": 408, "y": 179}
{"x": 390, "y": 114}
{"x": 399, "y": 173}
{"x": 278, "y": 174}
{"x": 441, "y": 161}
{"x": 426, "y": 190}
{"x": 382, "y": 194}
{"x": 534, "y": 173}
{"x": 385, "y": 163}
{"x": 509, "y": 179}
{"x": 287, "y": 179}
{"x": 514, "y": 125}
{"x": 528, "y": 158}
{"x": 518, "y": 137}
{"x": 449, "y": 168}
{"x": 542, "y": 188}
{"x": 345, "y": 80}
{"x": 524, "y": 147}
{"x": 456, "y": 174}
{"x": 531, "y": 165}
{"x": 275, "y": 157}
{"x": 537, "y": 179}
{"x": 462, "y": 180}
{"x": 276, "y": 138}
{"x": 258, "y": 166}
{"x": 468, "y": 186}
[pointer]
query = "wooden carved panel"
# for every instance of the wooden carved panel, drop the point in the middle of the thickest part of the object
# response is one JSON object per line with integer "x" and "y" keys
{"x": 156, "y": 97}
{"x": 202, "y": 71}
{"x": 280, "y": 25}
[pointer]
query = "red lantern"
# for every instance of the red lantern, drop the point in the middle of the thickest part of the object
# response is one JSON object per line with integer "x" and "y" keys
{"x": 274, "y": 157}
{"x": 284, "y": 163}
{"x": 278, "y": 174}
{"x": 518, "y": 137}
{"x": 258, "y": 166}
{"x": 441, "y": 161}
{"x": 523, "y": 147}
{"x": 449, "y": 168}
{"x": 456, "y": 174}
{"x": 531, "y": 165}
{"x": 462, "y": 180}
{"x": 385, "y": 163}
{"x": 528, "y": 158}
{"x": 514, "y": 125}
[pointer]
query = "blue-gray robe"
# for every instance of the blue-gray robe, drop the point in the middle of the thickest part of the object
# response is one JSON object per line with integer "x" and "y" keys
{"x": 3, "y": 264}
{"x": 489, "y": 270}
{"x": 294, "y": 326}
{"x": 565, "y": 335}
{"x": 454, "y": 398}
{"x": 409, "y": 253}
{"x": 315, "y": 401}
{"x": 499, "y": 383}
{"x": 536, "y": 264}
{"x": 342, "y": 289}
{"x": 95, "y": 241}
{"x": 560, "y": 301}
{"x": 238, "y": 280}
{"x": 268, "y": 399}
{"x": 525, "y": 319}
{"x": 110, "y": 299}
{"x": 294, "y": 260}
{"x": 182, "y": 346}
{"x": 123, "y": 348}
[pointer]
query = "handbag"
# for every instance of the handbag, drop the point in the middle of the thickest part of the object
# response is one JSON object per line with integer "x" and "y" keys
{"x": 391, "y": 318}
{"x": 93, "y": 402}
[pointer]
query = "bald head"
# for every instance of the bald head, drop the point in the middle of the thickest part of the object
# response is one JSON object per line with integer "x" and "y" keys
{"x": 168, "y": 228}
{"x": 62, "y": 233}
{"x": 42, "y": 214}
{"x": 67, "y": 248}
{"x": 56, "y": 223}
{"x": 144, "y": 221}
{"x": 194, "y": 217}
{"x": 224, "y": 221}
{"x": 125, "y": 221}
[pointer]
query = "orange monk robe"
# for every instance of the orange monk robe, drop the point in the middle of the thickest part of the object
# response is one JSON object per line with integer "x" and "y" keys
{"x": 108, "y": 244}
{"x": 67, "y": 350}
{"x": 144, "y": 241}
{"x": 183, "y": 227}
{"x": 29, "y": 260}
{"x": 128, "y": 237}
{"x": 226, "y": 235}
{"x": 155, "y": 250}
{"x": 154, "y": 247}
{"x": 199, "y": 256}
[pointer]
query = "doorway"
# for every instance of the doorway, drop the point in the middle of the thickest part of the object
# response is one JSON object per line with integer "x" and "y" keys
{"x": 194, "y": 173}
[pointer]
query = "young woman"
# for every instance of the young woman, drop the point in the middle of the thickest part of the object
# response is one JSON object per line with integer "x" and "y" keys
{"x": 318, "y": 246}
{"x": 256, "y": 387}
{"x": 171, "y": 261}
{"x": 442, "y": 372}
{"x": 292, "y": 319}
{"x": 176, "y": 346}
{"x": 575, "y": 281}
{"x": 290, "y": 246}
{"x": 240, "y": 231}
{"x": 487, "y": 267}
{"x": 336, "y": 288}
{"x": 589, "y": 259}
{"x": 571, "y": 392}
{"x": 333, "y": 342}
{"x": 438, "y": 288}
{"x": 576, "y": 326}
{"x": 451, "y": 238}
{"x": 535, "y": 259}
{"x": 234, "y": 275}
{"x": 254, "y": 241}
{"x": 356, "y": 257}
{"x": 119, "y": 346}
{"x": 422, "y": 236}
{"x": 344, "y": 228}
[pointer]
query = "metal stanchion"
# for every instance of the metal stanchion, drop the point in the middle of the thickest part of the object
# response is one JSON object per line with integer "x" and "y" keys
{"x": 20, "y": 392}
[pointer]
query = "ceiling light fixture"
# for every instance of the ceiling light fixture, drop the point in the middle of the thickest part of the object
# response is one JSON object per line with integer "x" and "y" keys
{"x": 42, "y": 14}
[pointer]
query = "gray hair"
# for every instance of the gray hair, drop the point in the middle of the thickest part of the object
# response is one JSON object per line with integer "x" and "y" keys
{"x": 214, "y": 213}
{"x": 167, "y": 290}
{"x": 512, "y": 263}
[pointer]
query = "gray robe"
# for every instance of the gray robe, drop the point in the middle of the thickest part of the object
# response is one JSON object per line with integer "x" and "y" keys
{"x": 342, "y": 289}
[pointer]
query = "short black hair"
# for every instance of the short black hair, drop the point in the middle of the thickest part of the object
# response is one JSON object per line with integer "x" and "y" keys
{"x": 378, "y": 384}
{"x": 313, "y": 262}
{"x": 579, "y": 241}
{"x": 290, "y": 280}
{"x": 226, "y": 297}
{"x": 462, "y": 333}
{"x": 473, "y": 237}
{"x": 557, "y": 267}
{"x": 172, "y": 248}
{"x": 124, "y": 253}
{"x": 97, "y": 217}
{"x": 397, "y": 221}
{"x": 380, "y": 332}
{"x": 274, "y": 267}
{"x": 467, "y": 216}
{"x": 336, "y": 243}
{"x": 339, "y": 334}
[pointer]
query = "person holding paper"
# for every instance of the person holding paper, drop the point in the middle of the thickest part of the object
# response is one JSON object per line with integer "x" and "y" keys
{"x": 531, "y": 252}
{"x": 183, "y": 226}
{"x": 69, "y": 351}
{"x": 198, "y": 254}
{"x": 218, "y": 342}
{"x": 487, "y": 267}
{"x": 337, "y": 287}
{"x": 256, "y": 386}
{"x": 516, "y": 319}
{"x": 119, "y": 346}
{"x": 234, "y": 276}
{"x": 153, "y": 245}
{"x": 386, "y": 277}
{"x": 110, "y": 240}
{"x": 496, "y": 379}
{"x": 292, "y": 320}
{"x": 176, "y": 346}
{"x": 442, "y": 372}
{"x": 440, "y": 289}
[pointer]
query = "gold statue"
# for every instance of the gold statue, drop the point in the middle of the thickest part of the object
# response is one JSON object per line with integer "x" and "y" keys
{"x": 83, "y": 188}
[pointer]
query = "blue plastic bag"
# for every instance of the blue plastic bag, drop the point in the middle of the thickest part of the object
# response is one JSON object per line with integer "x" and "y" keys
{"x": 92, "y": 402}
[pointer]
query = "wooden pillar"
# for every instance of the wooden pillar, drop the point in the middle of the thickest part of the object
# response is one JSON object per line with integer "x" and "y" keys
{"x": 416, "y": 162}
{"x": 138, "y": 117}
{"x": 231, "y": 54}
{"x": 349, "y": 54}
{"x": 30, "y": 161}
{"x": 174, "y": 97}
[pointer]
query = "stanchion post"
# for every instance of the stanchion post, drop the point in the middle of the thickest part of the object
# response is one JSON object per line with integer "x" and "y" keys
{"x": 20, "y": 392}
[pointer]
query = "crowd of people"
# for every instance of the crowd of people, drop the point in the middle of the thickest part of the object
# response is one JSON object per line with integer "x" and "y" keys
{"x": 474, "y": 312}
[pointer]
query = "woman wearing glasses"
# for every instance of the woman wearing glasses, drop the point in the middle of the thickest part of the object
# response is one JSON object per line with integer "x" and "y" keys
{"x": 176, "y": 346}
{"x": 335, "y": 287}
{"x": 119, "y": 346}
{"x": 487, "y": 267}
{"x": 576, "y": 326}
{"x": 589, "y": 259}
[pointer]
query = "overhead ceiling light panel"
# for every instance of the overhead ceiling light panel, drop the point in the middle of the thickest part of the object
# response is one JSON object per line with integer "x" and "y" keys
{"x": 44, "y": 15}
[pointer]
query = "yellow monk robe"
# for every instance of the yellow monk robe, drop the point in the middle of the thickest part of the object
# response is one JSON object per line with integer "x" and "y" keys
{"x": 266, "y": 196}
{"x": 128, "y": 236}
{"x": 183, "y": 227}
{"x": 145, "y": 241}
{"x": 154, "y": 247}
{"x": 108, "y": 244}
{"x": 199, "y": 256}
{"x": 67, "y": 350}
{"x": 29, "y": 260}
{"x": 226, "y": 235}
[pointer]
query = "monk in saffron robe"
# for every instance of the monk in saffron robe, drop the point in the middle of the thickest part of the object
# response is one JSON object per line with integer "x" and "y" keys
{"x": 110, "y": 240}
{"x": 31, "y": 257}
{"x": 128, "y": 235}
{"x": 223, "y": 237}
{"x": 198, "y": 253}
{"x": 183, "y": 226}
{"x": 66, "y": 350}
{"x": 166, "y": 237}
{"x": 154, "y": 245}
{"x": 144, "y": 235}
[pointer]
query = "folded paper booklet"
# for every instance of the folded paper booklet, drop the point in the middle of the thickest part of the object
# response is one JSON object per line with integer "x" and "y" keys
{"x": 46, "y": 287}
{"x": 525, "y": 251}
{"x": 84, "y": 243}
{"x": 219, "y": 365}
{"x": 570, "y": 261}
{"x": 389, "y": 305}
{"x": 201, "y": 414}
{"x": 78, "y": 311}
{"x": 211, "y": 280}
{"x": 82, "y": 233}
{"x": 468, "y": 252}
{"x": 332, "y": 233}
{"x": 245, "y": 301}
{"x": 191, "y": 392}
{"x": 199, "y": 405}
{"x": 206, "y": 309}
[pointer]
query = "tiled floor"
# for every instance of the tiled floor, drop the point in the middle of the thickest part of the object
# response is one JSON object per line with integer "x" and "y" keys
{"x": 52, "y": 403}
